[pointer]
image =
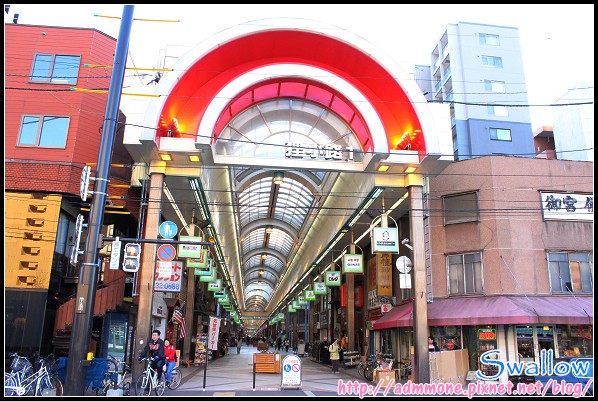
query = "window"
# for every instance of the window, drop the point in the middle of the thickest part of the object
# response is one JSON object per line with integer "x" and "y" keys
{"x": 492, "y": 61}
{"x": 460, "y": 208}
{"x": 486, "y": 39}
{"x": 44, "y": 131}
{"x": 500, "y": 111}
{"x": 570, "y": 272}
{"x": 500, "y": 134}
{"x": 55, "y": 69}
{"x": 465, "y": 273}
{"x": 494, "y": 86}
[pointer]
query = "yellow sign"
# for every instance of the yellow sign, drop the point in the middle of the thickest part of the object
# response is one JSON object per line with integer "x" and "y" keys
{"x": 384, "y": 274}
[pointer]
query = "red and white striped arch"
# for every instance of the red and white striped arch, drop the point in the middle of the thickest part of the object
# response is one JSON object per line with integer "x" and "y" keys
{"x": 250, "y": 63}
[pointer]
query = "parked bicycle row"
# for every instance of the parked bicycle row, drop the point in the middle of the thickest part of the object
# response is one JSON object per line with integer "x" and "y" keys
{"x": 41, "y": 378}
{"x": 37, "y": 378}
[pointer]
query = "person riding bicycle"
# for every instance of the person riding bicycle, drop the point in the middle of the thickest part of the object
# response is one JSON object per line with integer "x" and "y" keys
{"x": 155, "y": 347}
{"x": 170, "y": 354}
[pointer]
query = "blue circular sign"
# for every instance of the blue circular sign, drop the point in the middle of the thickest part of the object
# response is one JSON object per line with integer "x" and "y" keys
{"x": 168, "y": 230}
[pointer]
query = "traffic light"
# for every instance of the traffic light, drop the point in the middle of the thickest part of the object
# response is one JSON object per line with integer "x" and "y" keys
{"x": 132, "y": 254}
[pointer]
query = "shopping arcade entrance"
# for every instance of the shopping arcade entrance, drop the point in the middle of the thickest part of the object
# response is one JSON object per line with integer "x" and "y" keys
{"x": 235, "y": 111}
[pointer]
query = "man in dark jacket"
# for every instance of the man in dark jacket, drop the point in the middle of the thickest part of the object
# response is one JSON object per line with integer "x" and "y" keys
{"x": 155, "y": 347}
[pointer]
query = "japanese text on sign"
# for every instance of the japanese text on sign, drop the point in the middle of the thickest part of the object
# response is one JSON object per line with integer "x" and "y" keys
{"x": 168, "y": 282}
{"x": 384, "y": 264}
{"x": 213, "y": 333}
{"x": 313, "y": 151}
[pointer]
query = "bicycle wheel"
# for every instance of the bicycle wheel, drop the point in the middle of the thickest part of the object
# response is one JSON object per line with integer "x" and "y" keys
{"x": 360, "y": 369}
{"x": 368, "y": 373}
{"x": 9, "y": 380}
{"x": 175, "y": 379}
{"x": 143, "y": 385}
{"x": 127, "y": 388}
{"x": 159, "y": 389}
{"x": 49, "y": 386}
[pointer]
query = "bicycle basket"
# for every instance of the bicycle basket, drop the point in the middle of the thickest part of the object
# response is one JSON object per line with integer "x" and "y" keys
{"x": 20, "y": 363}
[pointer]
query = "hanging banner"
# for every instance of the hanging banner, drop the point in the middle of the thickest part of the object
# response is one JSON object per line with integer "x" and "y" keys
{"x": 352, "y": 263}
{"x": 310, "y": 295}
{"x": 296, "y": 305}
{"x": 201, "y": 262}
{"x": 320, "y": 288}
{"x": 384, "y": 274}
{"x": 290, "y": 309}
{"x": 189, "y": 251}
{"x": 280, "y": 315}
{"x": 213, "y": 333}
{"x": 385, "y": 239}
{"x": 333, "y": 279}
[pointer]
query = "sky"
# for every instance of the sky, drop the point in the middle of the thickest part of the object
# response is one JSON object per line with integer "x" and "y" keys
{"x": 557, "y": 41}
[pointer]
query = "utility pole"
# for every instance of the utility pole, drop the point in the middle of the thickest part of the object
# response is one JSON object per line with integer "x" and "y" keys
{"x": 421, "y": 368}
{"x": 88, "y": 276}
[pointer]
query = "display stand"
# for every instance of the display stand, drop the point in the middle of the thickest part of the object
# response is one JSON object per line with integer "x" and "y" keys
{"x": 200, "y": 349}
{"x": 351, "y": 358}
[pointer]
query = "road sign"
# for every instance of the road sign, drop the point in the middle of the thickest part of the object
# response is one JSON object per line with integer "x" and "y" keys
{"x": 115, "y": 254}
{"x": 166, "y": 252}
{"x": 291, "y": 372}
{"x": 168, "y": 229}
{"x": 404, "y": 264}
{"x": 84, "y": 183}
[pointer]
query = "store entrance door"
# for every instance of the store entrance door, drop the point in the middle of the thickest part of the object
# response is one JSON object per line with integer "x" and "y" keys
{"x": 532, "y": 339}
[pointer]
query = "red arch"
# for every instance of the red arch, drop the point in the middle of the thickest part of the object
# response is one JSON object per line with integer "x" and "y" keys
{"x": 298, "y": 88}
{"x": 194, "y": 91}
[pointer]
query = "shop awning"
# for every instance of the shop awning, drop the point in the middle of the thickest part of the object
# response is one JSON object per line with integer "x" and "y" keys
{"x": 489, "y": 310}
{"x": 390, "y": 319}
{"x": 564, "y": 310}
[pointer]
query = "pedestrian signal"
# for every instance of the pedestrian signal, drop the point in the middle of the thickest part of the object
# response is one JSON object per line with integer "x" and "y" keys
{"x": 131, "y": 261}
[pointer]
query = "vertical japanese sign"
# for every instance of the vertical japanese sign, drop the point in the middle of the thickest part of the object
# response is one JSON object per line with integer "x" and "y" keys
{"x": 384, "y": 267}
{"x": 213, "y": 333}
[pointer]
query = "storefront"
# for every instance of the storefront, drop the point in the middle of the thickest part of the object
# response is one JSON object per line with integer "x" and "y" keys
{"x": 520, "y": 327}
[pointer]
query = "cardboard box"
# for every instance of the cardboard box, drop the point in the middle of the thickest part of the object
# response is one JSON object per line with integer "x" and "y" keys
{"x": 384, "y": 376}
{"x": 449, "y": 366}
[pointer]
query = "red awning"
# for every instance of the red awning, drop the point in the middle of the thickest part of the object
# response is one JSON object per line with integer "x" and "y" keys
{"x": 505, "y": 309}
{"x": 399, "y": 316}
{"x": 564, "y": 310}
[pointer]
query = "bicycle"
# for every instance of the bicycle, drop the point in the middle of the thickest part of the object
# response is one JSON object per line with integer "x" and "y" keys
{"x": 22, "y": 380}
{"x": 116, "y": 377}
{"x": 403, "y": 368}
{"x": 175, "y": 379}
{"x": 366, "y": 368}
{"x": 148, "y": 380}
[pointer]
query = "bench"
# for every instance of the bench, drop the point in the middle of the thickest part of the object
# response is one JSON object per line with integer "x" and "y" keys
{"x": 186, "y": 362}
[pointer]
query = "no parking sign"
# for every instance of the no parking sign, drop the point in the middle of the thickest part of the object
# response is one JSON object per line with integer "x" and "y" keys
{"x": 291, "y": 372}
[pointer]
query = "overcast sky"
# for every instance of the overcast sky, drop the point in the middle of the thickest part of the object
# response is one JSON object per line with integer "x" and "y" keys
{"x": 557, "y": 41}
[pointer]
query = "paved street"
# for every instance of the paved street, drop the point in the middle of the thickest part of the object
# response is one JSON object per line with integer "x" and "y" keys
{"x": 232, "y": 375}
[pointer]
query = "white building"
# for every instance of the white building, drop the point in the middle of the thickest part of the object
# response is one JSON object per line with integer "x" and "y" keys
{"x": 574, "y": 124}
{"x": 479, "y": 69}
